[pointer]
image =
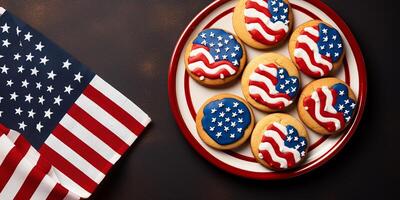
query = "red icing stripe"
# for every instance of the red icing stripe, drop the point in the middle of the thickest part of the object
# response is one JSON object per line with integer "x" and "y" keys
{"x": 202, "y": 58}
{"x": 279, "y": 105}
{"x": 289, "y": 157}
{"x": 252, "y": 4}
{"x": 303, "y": 66}
{"x": 310, "y": 103}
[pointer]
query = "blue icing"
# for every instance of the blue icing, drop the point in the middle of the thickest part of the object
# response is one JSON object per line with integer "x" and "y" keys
{"x": 294, "y": 141}
{"x": 222, "y": 45}
{"x": 344, "y": 103}
{"x": 330, "y": 42}
{"x": 287, "y": 84}
{"x": 226, "y": 120}
{"x": 279, "y": 11}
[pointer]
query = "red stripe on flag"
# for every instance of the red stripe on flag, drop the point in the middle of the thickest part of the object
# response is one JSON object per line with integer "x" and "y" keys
{"x": 113, "y": 109}
{"x": 82, "y": 149}
{"x": 58, "y": 192}
{"x": 68, "y": 169}
{"x": 33, "y": 180}
{"x": 10, "y": 163}
{"x": 99, "y": 130}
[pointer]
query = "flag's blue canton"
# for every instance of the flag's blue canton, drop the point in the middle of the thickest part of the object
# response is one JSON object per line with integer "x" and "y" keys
{"x": 287, "y": 84}
{"x": 38, "y": 80}
{"x": 279, "y": 11}
{"x": 222, "y": 45}
{"x": 330, "y": 42}
{"x": 226, "y": 120}
{"x": 344, "y": 103}
{"x": 294, "y": 141}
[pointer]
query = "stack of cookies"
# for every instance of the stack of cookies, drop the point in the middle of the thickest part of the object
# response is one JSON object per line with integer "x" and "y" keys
{"x": 270, "y": 83}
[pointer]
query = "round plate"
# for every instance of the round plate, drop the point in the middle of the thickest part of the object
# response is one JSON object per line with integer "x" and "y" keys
{"x": 186, "y": 96}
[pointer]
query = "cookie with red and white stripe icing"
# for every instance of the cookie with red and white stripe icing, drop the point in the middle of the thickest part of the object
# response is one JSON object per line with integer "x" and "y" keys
{"x": 215, "y": 57}
{"x": 279, "y": 142}
{"x": 316, "y": 48}
{"x": 271, "y": 82}
{"x": 327, "y": 105}
{"x": 263, "y": 24}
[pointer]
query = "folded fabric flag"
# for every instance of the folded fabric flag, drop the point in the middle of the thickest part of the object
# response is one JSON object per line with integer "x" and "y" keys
{"x": 71, "y": 124}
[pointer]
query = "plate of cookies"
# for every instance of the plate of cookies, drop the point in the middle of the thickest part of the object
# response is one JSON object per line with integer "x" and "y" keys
{"x": 267, "y": 89}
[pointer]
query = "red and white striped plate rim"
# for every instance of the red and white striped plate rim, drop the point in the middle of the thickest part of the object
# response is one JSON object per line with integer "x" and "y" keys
{"x": 186, "y": 96}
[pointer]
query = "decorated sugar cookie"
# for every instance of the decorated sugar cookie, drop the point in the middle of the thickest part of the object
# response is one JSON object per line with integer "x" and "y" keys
{"x": 270, "y": 82}
{"x": 316, "y": 48}
{"x": 224, "y": 121}
{"x": 215, "y": 57}
{"x": 263, "y": 24}
{"x": 279, "y": 142}
{"x": 327, "y": 105}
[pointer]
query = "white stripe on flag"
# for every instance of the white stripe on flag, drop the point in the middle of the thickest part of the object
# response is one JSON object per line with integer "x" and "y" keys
{"x": 6, "y": 146}
{"x": 70, "y": 184}
{"x": 21, "y": 172}
{"x": 106, "y": 119}
{"x": 75, "y": 159}
{"x": 89, "y": 139}
{"x": 13, "y": 135}
{"x": 44, "y": 188}
{"x": 119, "y": 99}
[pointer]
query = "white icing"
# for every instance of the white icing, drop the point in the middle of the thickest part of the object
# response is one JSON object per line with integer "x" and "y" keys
{"x": 318, "y": 115}
{"x": 200, "y": 64}
{"x": 267, "y": 147}
{"x": 281, "y": 143}
{"x": 312, "y": 31}
{"x": 262, "y": 3}
{"x": 256, "y": 90}
{"x": 197, "y": 51}
{"x": 253, "y": 89}
{"x": 254, "y": 13}
{"x": 275, "y": 26}
{"x": 300, "y": 53}
{"x": 329, "y": 100}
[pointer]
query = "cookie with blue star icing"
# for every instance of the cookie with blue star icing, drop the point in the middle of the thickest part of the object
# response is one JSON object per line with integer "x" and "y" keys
{"x": 271, "y": 82}
{"x": 327, "y": 105}
{"x": 263, "y": 24}
{"x": 279, "y": 142}
{"x": 225, "y": 121}
{"x": 215, "y": 57}
{"x": 317, "y": 48}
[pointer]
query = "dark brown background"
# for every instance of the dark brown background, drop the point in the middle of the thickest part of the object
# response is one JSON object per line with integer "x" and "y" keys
{"x": 129, "y": 43}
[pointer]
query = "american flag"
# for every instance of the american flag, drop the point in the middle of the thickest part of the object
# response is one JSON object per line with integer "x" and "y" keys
{"x": 71, "y": 121}
{"x": 272, "y": 86}
{"x": 317, "y": 48}
{"x": 267, "y": 20}
{"x": 332, "y": 108}
{"x": 215, "y": 54}
{"x": 281, "y": 146}
{"x": 226, "y": 120}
